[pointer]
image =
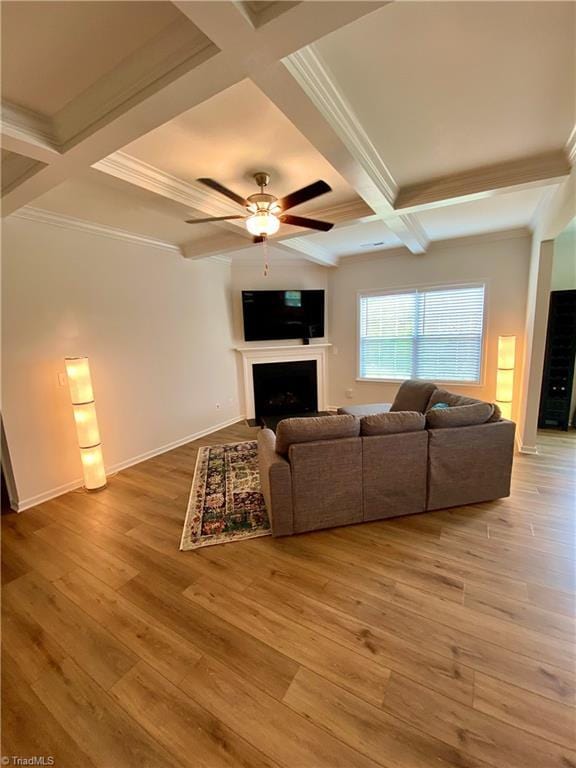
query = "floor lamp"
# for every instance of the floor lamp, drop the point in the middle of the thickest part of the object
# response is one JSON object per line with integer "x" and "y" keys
{"x": 82, "y": 396}
{"x": 505, "y": 374}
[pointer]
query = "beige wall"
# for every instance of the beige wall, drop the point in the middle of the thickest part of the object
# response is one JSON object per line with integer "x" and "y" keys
{"x": 160, "y": 332}
{"x": 283, "y": 274}
{"x": 553, "y": 217}
{"x": 157, "y": 329}
{"x": 537, "y": 303}
{"x": 564, "y": 263}
{"x": 501, "y": 263}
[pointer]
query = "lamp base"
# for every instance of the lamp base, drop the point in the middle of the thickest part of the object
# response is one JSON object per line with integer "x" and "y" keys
{"x": 95, "y": 490}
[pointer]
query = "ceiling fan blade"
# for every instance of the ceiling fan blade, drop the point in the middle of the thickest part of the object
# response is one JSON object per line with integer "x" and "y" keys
{"x": 313, "y": 190}
{"x": 223, "y": 190}
{"x": 212, "y": 218}
{"x": 301, "y": 221}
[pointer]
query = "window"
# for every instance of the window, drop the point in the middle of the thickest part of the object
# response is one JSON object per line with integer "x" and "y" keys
{"x": 432, "y": 334}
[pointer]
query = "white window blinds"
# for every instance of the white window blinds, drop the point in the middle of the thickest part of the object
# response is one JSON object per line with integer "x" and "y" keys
{"x": 430, "y": 334}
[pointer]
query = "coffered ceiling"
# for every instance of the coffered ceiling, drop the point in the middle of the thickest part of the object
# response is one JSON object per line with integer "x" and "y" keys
{"x": 233, "y": 135}
{"x": 429, "y": 120}
{"x": 52, "y": 51}
{"x": 460, "y": 84}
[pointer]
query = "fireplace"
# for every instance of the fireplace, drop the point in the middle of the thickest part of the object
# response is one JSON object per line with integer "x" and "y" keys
{"x": 285, "y": 389}
{"x": 256, "y": 358}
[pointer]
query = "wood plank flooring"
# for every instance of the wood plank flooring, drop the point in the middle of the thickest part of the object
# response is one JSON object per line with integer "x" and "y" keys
{"x": 442, "y": 639}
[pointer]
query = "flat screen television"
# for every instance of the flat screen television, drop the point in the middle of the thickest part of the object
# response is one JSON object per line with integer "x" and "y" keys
{"x": 272, "y": 315}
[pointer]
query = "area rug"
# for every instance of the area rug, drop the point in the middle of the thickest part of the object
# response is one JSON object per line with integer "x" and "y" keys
{"x": 225, "y": 501}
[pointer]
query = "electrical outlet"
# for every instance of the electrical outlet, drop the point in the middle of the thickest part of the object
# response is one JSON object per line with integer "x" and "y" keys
{"x": 61, "y": 379}
{"x": 349, "y": 394}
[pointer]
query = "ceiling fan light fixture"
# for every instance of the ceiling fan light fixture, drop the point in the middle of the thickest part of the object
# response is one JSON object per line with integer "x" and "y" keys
{"x": 262, "y": 224}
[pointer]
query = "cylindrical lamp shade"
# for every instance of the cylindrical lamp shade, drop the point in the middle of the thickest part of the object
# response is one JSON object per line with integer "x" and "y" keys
{"x": 87, "y": 432}
{"x": 93, "y": 466}
{"x": 86, "y": 425}
{"x": 79, "y": 380}
{"x": 507, "y": 352}
{"x": 504, "y": 385}
{"x": 505, "y": 374}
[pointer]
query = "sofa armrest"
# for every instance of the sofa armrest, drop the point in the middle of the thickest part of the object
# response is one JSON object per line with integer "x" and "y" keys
{"x": 470, "y": 464}
{"x": 276, "y": 484}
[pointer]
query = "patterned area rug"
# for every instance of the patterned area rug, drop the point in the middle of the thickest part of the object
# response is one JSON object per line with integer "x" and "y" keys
{"x": 225, "y": 501}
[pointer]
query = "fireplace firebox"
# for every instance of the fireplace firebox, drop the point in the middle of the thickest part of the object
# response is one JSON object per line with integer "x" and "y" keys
{"x": 285, "y": 389}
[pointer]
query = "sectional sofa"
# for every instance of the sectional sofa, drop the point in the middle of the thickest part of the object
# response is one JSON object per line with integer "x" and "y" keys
{"x": 429, "y": 449}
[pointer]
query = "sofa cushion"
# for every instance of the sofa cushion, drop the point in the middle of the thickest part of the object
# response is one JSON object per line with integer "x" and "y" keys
{"x": 392, "y": 423}
{"x": 370, "y": 409}
{"x": 459, "y": 415}
{"x": 307, "y": 430}
{"x": 413, "y": 396}
{"x": 497, "y": 415}
{"x": 452, "y": 399}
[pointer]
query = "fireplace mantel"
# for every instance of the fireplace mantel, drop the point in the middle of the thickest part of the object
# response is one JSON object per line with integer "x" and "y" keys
{"x": 280, "y": 353}
{"x": 284, "y": 347}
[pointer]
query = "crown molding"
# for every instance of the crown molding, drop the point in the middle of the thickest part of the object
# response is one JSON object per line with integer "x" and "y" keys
{"x": 539, "y": 170}
{"x": 135, "y": 171}
{"x": 178, "y": 48}
{"x": 571, "y": 147}
{"x": 310, "y": 251}
{"x": 259, "y": 13}
{"x": 128, "y": 168}
{"x": 42, "y": 216}
{"x": 315, "y": 78}
{"x": 28, "y": 133}
{"x": 348, "y": 213}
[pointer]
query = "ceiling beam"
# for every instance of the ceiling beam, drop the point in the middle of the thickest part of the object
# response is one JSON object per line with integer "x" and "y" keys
{"x": 222, "y": 243}
{"x": 294, "y": 27}
{"x": 17, "y": 168}
{"x": 28, "y": 133}
{"x": 218, "y": 244}
{"x": 306, "y": 249}
{"x": 303, "y": 88}
{"x": 181, "y": 67}
{"x": 499, "y": 178}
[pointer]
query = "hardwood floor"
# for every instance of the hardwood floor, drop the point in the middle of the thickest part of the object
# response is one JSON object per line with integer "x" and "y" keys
{"x": 443, "y": 639}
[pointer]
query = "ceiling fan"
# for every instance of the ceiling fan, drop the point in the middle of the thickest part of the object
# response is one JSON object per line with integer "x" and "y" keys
{"x": 264, "y": 212}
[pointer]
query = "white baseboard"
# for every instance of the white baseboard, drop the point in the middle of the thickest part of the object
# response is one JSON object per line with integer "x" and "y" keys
{"x": 531, "y": 450}
{"x": 53, "y": 493}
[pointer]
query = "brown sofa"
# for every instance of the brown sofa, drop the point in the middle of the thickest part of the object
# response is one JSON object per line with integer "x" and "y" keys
{"x": 335, "y": 470}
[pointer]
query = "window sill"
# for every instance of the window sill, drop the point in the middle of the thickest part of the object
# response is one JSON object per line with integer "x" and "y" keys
{"x": 439, "y": 383}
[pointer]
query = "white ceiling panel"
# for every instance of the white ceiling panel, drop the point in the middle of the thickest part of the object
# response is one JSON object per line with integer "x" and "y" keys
{"x": 491, "y": 214}
{"x": 233, "y": 135}
{"x": 105, "y": 200}
{"x": 446, "y": 86}
{"x": 360, "y": 238}
{"x": 52, "y": 51}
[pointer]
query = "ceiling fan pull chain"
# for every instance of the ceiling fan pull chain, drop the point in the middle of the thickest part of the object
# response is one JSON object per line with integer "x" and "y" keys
{"x": 265, "y": 247}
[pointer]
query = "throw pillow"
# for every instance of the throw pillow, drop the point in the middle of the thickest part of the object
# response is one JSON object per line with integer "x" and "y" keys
{"x": 459, "y": 416}
{"x": 392, "y": 423}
